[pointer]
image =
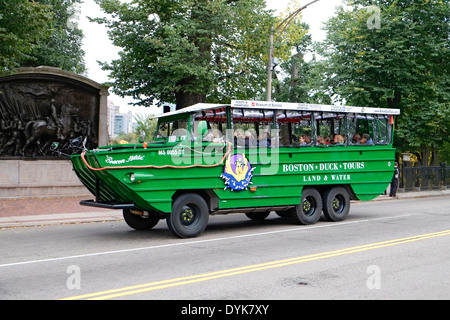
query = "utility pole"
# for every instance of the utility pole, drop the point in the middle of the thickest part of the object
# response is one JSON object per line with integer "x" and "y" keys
{"x": 286, "y": 21}
{"x": 269, "y": 69}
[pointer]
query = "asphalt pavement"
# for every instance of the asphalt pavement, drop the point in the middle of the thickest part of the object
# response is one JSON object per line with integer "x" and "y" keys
{"x": 50, "y": 211}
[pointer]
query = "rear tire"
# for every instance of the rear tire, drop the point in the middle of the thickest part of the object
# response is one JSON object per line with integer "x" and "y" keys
{"x": 286, "y": 214}
{"x": 310, "y": 208}
{"x": 336, "y": 204}
{"x": 138, "y": 222}
{"x": 257, "y": 216}
{"x": 189, "y": 216}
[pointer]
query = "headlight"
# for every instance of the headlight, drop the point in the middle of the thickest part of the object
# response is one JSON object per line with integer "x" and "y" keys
{"x": 132, "y": 177}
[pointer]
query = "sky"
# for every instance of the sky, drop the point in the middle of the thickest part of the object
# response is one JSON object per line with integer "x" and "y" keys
{"x": 98, "y": 47}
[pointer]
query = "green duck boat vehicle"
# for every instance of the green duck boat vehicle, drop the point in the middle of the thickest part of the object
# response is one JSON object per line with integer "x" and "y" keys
{"x": 251, "y": 157}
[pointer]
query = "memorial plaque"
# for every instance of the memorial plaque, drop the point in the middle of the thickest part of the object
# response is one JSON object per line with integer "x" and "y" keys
{"x": 38, "y": 108}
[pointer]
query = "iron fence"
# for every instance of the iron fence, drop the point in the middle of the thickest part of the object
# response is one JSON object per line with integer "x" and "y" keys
{"x": 424, "y": 178}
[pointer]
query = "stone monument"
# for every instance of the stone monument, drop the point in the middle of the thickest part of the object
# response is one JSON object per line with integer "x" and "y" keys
{"x": 39, "y": 106}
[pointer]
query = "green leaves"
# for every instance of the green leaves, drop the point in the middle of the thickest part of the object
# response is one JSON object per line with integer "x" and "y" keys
{"x": 208, "y": 50}
{"x": 40, "y": 32}
{"x": 402, "y": 64}
{"x": 23, "y": 24}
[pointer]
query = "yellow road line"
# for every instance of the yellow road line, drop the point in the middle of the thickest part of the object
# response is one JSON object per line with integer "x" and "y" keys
{"x": 158, "y": 285}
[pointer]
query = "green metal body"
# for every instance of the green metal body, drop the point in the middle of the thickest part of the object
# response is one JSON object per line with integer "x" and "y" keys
{"x": 136, "y": 174}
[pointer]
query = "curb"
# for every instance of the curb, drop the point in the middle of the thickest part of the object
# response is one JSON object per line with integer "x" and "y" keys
{"x": 56, "y": 219}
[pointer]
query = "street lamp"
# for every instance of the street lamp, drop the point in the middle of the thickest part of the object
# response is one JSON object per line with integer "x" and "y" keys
{"x": 286, "y": 21}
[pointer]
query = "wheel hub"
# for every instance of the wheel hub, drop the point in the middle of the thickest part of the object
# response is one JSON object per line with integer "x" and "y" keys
{"x": 337, "y": 204}
{"x": 308, "y": 206}
{"x": 187, "y": 215}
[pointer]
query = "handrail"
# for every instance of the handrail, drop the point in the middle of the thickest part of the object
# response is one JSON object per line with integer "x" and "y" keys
{"x": 158, "y": 167}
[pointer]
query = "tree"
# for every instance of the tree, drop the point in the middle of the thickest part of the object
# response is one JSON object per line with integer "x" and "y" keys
{"x": 124, "y": 138}
{"x": 300, "y": 80}
{"x": 304, "y": 81}
{"x": 402, "y": 61}
{"x": 147, "y": 125}
{"x": 63, "y": 47}
{"x": 188, "y": 51}
{"x": 23, "y": 24}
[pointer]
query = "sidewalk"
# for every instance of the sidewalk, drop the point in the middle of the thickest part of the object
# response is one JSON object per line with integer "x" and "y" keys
{"x": 40, "y": 212}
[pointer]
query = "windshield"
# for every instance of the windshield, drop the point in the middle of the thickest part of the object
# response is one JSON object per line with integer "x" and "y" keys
{"x": 172, "y": 131}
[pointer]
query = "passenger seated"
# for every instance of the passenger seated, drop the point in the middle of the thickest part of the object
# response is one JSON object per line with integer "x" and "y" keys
{"x": 264, "y": 139}
{"x": 305, "y": 140}
{"x": 319, "y": 140}
{"x": 294, "y": 141}
{"x": 323, "y": 140}
{"x": 339, "y": 139}
{"x": 332, "y": 138}
{"x": 250, "y": 139}
{"x": 356, "y": 139}
{"x": 367, "y": 138}
{"x": 239, "y": 139}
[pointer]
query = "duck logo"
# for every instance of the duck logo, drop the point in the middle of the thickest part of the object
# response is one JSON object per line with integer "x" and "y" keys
{"x": 237, "y": 172}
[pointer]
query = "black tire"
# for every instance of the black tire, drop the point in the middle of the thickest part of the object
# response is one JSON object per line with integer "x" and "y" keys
{"x": 336, "y": 204}
{"x": 310, "y": 208}
{"x": 138, "y": 222}
{"x": 189, "y": 216}
{"x": 286, "y": 214}
{"x": 258, "y": 216}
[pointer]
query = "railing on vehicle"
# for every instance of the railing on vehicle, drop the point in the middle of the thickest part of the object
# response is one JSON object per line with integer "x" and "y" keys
{"x": 253, "y": 123}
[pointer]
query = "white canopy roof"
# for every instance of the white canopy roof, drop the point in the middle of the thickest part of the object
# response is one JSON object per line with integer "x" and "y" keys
{"x": 250, "y": 104}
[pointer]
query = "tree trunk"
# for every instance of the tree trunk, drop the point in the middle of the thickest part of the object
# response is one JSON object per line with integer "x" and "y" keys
{"x": 426, "y": 152}
{"x": 395, "y": 101}
{"x": 185, "y": 99}
{"x": 294, "y": 69}
{"x": 203, "y": 41}
{"x": 435, "y": 157}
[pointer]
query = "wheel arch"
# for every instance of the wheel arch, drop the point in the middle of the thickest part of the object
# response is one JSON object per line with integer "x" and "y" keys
{"x": 323, "y": 188}
{"x": 208, "y": 195}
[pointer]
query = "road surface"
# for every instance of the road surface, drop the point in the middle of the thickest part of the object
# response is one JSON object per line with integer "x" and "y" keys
{"x": 395, "y": 249}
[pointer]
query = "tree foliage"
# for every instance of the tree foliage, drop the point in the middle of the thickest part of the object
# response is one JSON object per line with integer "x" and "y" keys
{"x": 401, "y": 63}
{"x": 188, "y": 51}
{"x": 40, "y": 32}
{"x": 63, "y": 47}
{"x": 147, "y": 125}
{"x": 299, "y": 80}
{"x": 23, "y": 24}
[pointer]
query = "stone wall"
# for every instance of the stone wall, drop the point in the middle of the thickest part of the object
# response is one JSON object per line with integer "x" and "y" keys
{"x": 39, "y": 179}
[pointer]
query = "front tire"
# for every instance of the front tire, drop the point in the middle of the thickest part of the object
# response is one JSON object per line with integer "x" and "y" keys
{"x": 258, "y": 216}
{"x": 138, "y": 222}
{"x": 336, "y": 204}
{"x": 189, "y": 216}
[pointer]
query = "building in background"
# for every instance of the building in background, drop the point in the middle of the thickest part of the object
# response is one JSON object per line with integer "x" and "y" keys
{"x": 119, "y": 122}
